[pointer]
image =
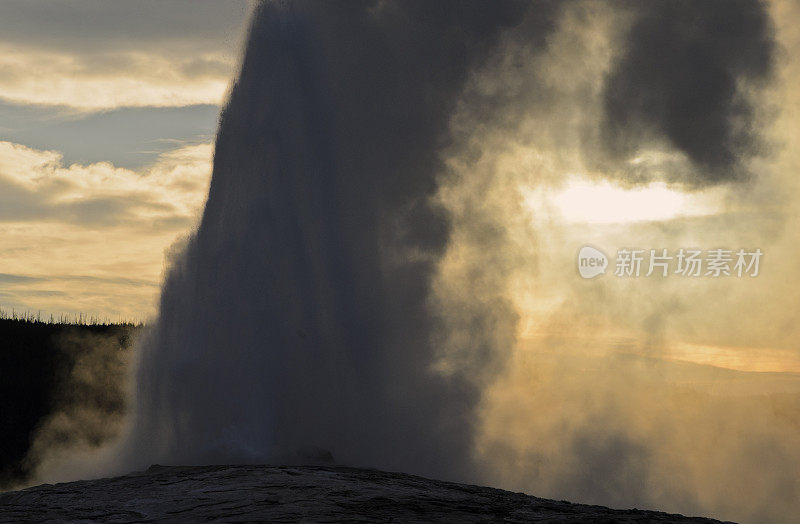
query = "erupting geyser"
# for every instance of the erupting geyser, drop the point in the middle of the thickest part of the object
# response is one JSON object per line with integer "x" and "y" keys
{"x": 299, "y": 315}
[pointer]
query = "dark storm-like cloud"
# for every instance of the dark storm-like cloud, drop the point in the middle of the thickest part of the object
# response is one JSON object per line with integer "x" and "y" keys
{"x": 686, "y": 77}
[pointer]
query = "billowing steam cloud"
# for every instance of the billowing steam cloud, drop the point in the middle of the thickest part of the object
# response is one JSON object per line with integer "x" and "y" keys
{"x": 685, "y": 76}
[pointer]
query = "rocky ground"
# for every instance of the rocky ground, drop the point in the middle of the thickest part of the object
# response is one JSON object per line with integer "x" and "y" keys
{"x": 291, "y": 494}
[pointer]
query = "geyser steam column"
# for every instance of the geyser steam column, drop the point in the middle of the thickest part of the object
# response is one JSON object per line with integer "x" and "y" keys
{"x": 298, "y": 316}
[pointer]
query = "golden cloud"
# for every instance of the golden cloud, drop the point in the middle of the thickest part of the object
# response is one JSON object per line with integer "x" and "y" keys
{"x": 91, "y": 238}
{"x": 122, "y": 79}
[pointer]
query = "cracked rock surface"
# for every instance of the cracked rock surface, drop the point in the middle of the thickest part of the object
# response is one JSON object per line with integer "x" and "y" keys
{"x": 292, "y": 494}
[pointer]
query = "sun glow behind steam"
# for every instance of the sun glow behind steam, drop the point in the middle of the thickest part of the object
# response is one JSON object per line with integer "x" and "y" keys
{"x": 582, "y": 200}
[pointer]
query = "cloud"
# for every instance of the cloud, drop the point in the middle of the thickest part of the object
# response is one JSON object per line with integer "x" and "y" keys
{"x": 52, "y": 78}
{"x": 93, "y": 233}
{"x": 80, "y": 25}
{"x": 5, "y": 278}
{"x": 126, "y": 137}
{"x": 92, "y": 55}
{"x": 36, "y": 186}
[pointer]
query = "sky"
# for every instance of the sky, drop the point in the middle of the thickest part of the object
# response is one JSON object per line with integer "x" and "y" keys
{"x": 108, "y": 112}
